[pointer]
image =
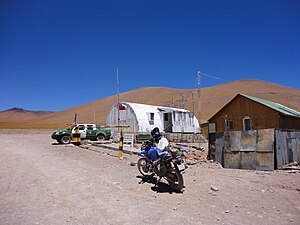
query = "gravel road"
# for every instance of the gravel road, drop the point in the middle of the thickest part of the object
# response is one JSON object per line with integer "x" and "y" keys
{"x": 42, "y": 182}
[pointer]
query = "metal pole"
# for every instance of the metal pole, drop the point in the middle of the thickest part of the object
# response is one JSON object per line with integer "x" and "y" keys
{"x": 118, "y": 91}
{"x": 199, "y": 98}
{"x": 94, "y": 113}
{"x": 193, "y": 102}
{"x": 199, "y": 106}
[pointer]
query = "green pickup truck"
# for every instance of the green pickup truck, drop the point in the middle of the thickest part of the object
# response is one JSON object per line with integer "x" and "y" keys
{"x": 87, "y": 131}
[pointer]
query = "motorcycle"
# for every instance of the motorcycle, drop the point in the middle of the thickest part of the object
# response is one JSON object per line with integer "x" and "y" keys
{"x": 167, "y": 163}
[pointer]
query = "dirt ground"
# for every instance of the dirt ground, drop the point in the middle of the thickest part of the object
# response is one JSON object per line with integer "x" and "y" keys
{"x": 42, "y": 182}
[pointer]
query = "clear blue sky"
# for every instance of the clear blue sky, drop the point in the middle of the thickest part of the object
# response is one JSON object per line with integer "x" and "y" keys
{"x": 57, "y": 54}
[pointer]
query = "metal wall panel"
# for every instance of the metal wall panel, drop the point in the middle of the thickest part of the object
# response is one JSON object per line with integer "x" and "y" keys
{"x": 246, "y": 149}
{"x": 247, "y": 160}
{"x": 287, "y": 147}
{"x": 281, "y": 145}
{"x": 219, "y": 148}
{"x": 240, "y": 160}
{"x": 265, "y": 140}
{"x": 233, "y": 141}
{"x": 239, "y": 149}
{"x": 298, "y": 145}
{"x": 232, "y": 160}
{"x": 264, "y": 161}
{"x": 265, "y": 149}
{"x": 248, "y": 140}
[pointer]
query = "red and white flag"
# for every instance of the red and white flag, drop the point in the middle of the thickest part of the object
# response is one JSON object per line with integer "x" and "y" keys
{"x": 122, "y": 107}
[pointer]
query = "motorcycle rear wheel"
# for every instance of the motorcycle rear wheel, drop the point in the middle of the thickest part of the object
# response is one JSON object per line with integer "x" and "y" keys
{"x": 144, "y": 167}
{"x": 175, "y": 180}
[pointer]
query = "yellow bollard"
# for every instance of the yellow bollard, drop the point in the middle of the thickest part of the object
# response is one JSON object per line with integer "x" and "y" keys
{"x": 121, "y": 144}
{"x": 76, "y": 137}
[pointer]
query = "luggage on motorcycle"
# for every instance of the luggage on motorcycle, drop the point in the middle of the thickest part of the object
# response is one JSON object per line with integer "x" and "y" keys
{"x": 163, "y": 143}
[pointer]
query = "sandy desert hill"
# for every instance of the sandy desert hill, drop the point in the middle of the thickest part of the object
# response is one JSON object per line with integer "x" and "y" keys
{"x": 21, "y": 115}
{"x": 212, "y": 99}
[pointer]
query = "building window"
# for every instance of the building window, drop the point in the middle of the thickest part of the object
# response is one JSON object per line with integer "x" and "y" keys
{"x": 151, "y": 120}
{"x": 228, "y": 125}
{"x": 247, "y": 123}
{"x": 151, "y": 116}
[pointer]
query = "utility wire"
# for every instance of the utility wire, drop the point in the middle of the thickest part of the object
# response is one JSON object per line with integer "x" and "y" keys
{"x": 217, "y": 78}
{"x": 204, "y": 74}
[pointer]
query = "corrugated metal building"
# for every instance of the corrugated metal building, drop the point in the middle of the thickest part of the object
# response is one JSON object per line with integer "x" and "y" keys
{"x": 264, "y": 149}
{"x": 143, "y": 118}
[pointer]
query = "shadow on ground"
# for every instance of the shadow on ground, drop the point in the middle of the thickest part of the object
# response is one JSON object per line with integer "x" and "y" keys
{"x": 159, "y": 187}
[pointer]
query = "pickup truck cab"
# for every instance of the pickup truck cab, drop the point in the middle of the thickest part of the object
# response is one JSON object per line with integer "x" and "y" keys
{"x": 87, "y": 131}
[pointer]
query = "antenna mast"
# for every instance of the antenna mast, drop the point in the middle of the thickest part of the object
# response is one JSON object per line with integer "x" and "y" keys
{"x": 199, "y": 98}
{"x": 193, "y": 102}
{"x": 199, "y": 74}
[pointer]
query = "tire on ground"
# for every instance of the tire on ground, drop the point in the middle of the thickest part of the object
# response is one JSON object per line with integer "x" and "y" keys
{"x": 100, "y": 137}
{"x": 65, "y": 139}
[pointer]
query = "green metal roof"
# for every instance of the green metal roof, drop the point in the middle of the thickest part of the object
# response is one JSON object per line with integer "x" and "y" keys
{"x": 274, "y": 105}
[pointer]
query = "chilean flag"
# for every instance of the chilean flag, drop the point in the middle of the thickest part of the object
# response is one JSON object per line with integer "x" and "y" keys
{"x": 122, "y": 107}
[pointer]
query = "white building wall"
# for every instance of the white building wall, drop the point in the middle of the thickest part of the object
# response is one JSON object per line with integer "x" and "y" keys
{"x": 143, "y": 114}
{"x": 138, "y": 117}
{"x": 184, "y": 122}
{"x": 127, "y": 117}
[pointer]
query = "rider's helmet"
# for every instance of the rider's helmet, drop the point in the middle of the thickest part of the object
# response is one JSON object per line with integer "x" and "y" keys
{"x": 156, "y": 134}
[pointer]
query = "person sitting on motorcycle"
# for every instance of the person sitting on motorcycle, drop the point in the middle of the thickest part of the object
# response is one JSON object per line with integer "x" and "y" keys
{"x": 161, "y": 141}
{"x": 160, "y": 151}
{"x": 156, "y": 135}
{"x": 150, "y": 145}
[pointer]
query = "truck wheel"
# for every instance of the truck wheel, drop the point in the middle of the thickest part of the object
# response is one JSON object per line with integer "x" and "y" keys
{"x": 66, "y": 139}
{"x": 100, "y": 137}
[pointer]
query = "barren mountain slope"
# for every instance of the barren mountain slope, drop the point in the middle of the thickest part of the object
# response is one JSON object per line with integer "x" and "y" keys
{"x": 19, "y": 114}
{"x": 212, "y": 99}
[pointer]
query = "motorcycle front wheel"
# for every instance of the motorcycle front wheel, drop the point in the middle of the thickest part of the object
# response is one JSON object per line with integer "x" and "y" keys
{"x": 175, "y": 180}
{"x": 144, "y": 167}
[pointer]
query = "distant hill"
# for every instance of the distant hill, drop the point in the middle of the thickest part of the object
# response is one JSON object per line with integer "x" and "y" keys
{"x": 212, "y": 99}
{"x": 20, "y": 115}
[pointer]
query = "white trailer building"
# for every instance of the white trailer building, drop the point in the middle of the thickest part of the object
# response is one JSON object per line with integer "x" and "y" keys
{"x": 143, "y": 118}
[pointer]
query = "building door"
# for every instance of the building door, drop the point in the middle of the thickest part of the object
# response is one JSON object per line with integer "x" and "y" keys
{"x": 167, "y": 122}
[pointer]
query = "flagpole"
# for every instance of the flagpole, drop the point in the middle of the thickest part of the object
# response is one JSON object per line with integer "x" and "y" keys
{"x": 94, "y": 113}
{"x": 118, "y": 91}
{"x": 75, "y": 120}
{"x": 121, "y": 134}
